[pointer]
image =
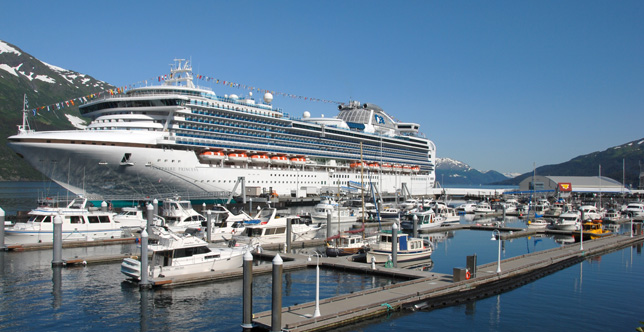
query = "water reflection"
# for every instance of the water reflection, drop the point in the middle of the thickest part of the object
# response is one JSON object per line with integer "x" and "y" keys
{"x": 144, "y": 295}
{"x": 57, "y": 292}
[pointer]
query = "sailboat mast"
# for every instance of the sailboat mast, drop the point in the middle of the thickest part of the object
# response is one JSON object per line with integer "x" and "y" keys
{"x": 362, "y": 186}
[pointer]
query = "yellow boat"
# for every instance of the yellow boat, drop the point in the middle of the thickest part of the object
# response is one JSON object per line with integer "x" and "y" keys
{"x": 592, "y": 229}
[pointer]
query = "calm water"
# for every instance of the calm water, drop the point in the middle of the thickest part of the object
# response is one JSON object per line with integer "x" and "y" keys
{"x": 601, "y": 294}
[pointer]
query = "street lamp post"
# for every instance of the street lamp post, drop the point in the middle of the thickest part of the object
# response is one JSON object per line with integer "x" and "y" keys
{"x": 496, "y": 235}
{"x": 317, "y": 285}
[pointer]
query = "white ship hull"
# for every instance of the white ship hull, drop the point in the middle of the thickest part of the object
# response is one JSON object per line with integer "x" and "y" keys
{"x": 97, "y": 169}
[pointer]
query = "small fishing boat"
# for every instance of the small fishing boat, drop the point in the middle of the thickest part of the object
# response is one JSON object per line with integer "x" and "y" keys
{"x": 409, "y": 248}
{"x": 180, "y": 254}
{"x": 347, "y": 244}
{"x": 591, "y": 229}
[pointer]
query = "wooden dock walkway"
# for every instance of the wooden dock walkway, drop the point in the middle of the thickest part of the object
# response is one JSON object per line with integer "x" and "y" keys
{"x": 433, "y": 290}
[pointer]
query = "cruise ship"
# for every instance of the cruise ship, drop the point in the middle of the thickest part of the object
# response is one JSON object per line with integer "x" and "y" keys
{"x": 179, "y": 138}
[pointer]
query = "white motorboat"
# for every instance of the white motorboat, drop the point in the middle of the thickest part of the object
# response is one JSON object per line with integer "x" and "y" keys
{"x": 225, "y": 224}
{"x": 180, "y": 254}
{"x": 538, "y": 223}
{"x": 270, "y": 227}
{"x": 468, "y": 207}
{"x": 179, "y": 215}
{"x": 424, "y": 219}
{"x": 409, "y": 248}
{"x": 448, "y": 214}
{"x": 568, "y": 221}
{"x": 80, "y": 222}
{"x": 634, "y": 210}
{"x": 542, "y": 206}
{"x": 483, "y": 208}
{"x": 409, "y": 204}
{"x": 386, "y": 213}
{"x": 339, "y": 214}
{"x": 510, "y": 205}
{"x": 590, "y": 212}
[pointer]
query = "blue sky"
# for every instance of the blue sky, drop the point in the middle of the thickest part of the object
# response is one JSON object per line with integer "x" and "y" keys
{"x": 496, "y": 84}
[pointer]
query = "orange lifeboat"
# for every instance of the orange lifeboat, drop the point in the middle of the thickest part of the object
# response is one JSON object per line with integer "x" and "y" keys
{"x": 259, "y": 159}
{"x": 415, "y": 169}
{"x": 386, "y": 167}
{"x": 374, "y": 166}
{"x": 298, "y": 161}
{"x": 279, "y": 160}
{"x": 358, "y": 165}
{"x": 212, "y": 155}
{"x": 238, "y": 157}
{"x": 397, "y": 168}
{"x": 406, "y": 169}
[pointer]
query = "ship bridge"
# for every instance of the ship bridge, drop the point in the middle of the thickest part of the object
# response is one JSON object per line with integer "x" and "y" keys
{"x": 370, "y": 118}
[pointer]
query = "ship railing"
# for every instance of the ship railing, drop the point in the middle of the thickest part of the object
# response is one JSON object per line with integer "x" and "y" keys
{"x": 161, "y": 196}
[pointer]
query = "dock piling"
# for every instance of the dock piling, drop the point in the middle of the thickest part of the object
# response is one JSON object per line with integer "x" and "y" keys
{"x": 247, "y": 292}
{"x": 150, "y": 216}
{"x": 289, "y": 235}
{"x": 58, "y": 241}
{"x": 276, "y": 310}
{"x": 3, "y": 247}
{"x": 415, "y": 227}
{"x": 155, "y": 206}
{"x": 144, "y": 283}
{"x": 57, "y": 292}
{"x": 328, "y": 225}
{"x": 209, "y": 226}
{"x": 394, "y": 245}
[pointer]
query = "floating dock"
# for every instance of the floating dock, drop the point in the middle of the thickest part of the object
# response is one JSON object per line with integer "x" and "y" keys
{"x": 434, "y": 290}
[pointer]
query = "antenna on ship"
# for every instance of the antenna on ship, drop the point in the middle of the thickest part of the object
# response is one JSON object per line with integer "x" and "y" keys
{"x": 24, "y": 128}
{"x": 180, "y": 73}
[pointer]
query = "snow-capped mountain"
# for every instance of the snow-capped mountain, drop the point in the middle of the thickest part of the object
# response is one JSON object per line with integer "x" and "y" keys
{"x": 47, "y": 87}
{"x": 454, "y": 172}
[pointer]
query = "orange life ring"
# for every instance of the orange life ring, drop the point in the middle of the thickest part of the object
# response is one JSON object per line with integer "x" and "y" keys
{"x": 468, "y": 275}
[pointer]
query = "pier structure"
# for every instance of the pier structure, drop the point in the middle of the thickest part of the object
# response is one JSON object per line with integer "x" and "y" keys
{"x": 433, "y": 290}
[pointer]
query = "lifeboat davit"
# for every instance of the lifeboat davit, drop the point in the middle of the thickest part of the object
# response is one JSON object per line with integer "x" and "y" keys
{"x": 238, "y": 157}
{"x": 259, "y": 159}
{"x": 279, "y": 160}
{"x": 298, "y": 161}
{"x": 212, "y": 155}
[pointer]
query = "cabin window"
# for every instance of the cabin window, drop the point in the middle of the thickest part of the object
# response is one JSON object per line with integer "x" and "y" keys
{"x": 75, "y": 220}
{"x": 93, "y": 219}
{"x": 104, "y": 219}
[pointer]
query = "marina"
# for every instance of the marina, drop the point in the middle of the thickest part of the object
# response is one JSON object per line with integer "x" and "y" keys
{"x": 444, "y": 279}
{"x": 447, "y": 255}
